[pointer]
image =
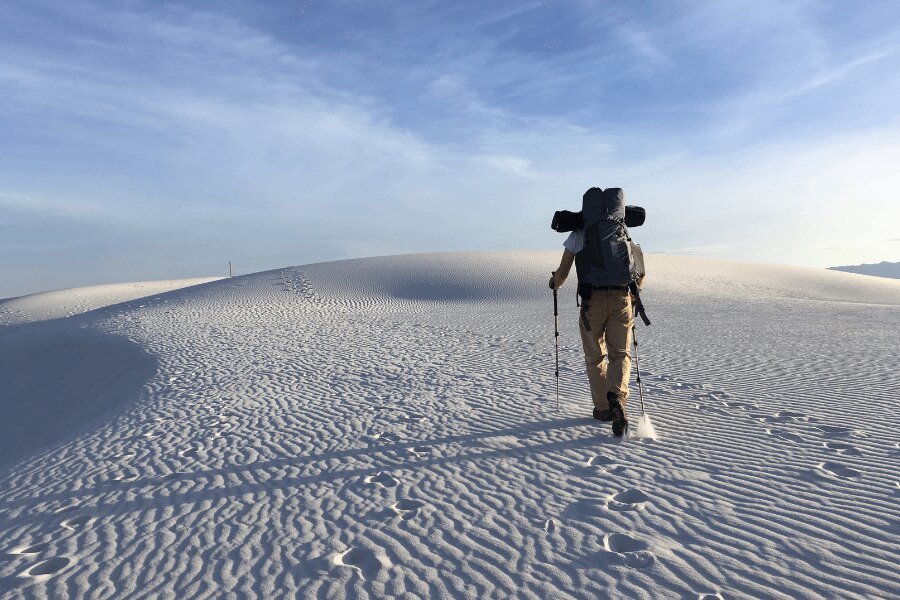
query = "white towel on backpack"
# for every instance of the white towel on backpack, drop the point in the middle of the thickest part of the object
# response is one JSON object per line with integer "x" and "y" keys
{"x": 575, "y": 242}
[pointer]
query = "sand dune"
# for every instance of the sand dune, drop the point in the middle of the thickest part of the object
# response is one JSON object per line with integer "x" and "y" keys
{"x": 73, "y": 301}
{"x": 744, "y": 280}
{"x": 56, "y": 380}
{"x": 386, "y": 427}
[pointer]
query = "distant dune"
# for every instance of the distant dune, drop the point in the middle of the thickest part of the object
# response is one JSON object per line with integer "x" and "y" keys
{"x": 882, "y": 269}
{"x": 74, "y": 301}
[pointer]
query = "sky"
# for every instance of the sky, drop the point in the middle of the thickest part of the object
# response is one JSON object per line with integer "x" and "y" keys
{"x": 153, "y": 140}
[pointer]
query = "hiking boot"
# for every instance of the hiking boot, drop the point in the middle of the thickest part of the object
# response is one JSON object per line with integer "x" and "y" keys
{"x": 619, "y": 418}
{"x": 602, "y": 415}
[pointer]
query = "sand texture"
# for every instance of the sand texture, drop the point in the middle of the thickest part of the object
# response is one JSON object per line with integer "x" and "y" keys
{"x": 386, "y": 427}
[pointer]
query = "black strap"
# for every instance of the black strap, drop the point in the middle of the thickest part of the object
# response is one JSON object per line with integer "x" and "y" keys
{"x": 585, "y": 290}
{"x": 638, "y": 305}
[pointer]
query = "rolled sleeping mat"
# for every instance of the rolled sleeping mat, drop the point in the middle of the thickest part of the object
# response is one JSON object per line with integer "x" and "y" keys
{"x": 566, "y": 220}
{"x": 634, "y": 216}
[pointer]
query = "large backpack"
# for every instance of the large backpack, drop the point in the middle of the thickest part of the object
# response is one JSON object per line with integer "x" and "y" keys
{"x": 606, "y": 258}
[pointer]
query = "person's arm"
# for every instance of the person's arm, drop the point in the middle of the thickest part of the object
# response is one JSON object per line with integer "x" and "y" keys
{"x": 565, "y": 265}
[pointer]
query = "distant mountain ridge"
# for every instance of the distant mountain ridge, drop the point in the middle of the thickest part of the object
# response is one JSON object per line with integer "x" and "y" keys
{"x": 882, "y": 269}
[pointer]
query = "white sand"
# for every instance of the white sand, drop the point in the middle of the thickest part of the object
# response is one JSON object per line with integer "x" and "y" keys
{"x": 385, "y": 428}
{"x": 74, "y": 301}
{"x": 643, "y": 428}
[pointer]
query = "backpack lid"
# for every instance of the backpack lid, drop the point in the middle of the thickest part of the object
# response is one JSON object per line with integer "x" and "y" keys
{"x": 598, "y": 205}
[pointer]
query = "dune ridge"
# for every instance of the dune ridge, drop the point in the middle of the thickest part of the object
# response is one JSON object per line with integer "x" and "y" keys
{"x": 68, "y": 302}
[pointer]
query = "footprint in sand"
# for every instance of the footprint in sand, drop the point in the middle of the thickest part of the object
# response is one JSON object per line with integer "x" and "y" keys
{"x": 834, "y": 469}
{"x": 75, "y": 523}
{"x": 367, "y": 562}
{"x": 549, "y": 526}
{"x": 407, "y": 508}
{"x": 720, "y": 403}
{"x": 191, "y": 452}
{"x": 797, "y": 416}
{"x": 787, "y": 416}
{"x": 632, "y": 499}
{"x": 709, "y": 409}
{"x": 785, "y": 435}
{"x": 740, "y": 405}
{"x": 709, "y": 596}
{"x": 45, "y": 569}
{"x": 604, "y": 464}
{"x": 224, "y": 432}
{"x": 420, "y": 451}
{"x": 382, "y": 479}
{"x": 715, "y": 397}
{"x": 840, "y": 431}
{"x": 387, "y": 437}
{"x": 125, "y": 476}
{"x": 31, "y": 549}
{"x": 680, "y": 385}
{"x": 633, "y": 553}
{"x": 410, "y": 418}
{"x": 122, "y": 456}
{"x": 842, "y": 448}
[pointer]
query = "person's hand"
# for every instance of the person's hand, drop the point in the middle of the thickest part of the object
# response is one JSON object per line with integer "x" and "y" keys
{"x": 556, "y": 282}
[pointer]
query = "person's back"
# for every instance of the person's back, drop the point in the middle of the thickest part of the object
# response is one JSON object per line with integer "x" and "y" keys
{"x": 605, "y": 266}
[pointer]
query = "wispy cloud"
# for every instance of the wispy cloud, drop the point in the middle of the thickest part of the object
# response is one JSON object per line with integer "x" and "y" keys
{"x": 836, "y": 73}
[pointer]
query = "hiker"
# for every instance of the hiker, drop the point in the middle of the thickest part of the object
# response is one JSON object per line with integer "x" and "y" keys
{"x": 606, "y": 269}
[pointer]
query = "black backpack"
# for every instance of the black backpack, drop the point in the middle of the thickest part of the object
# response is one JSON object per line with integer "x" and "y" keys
{"x": 606, "y": 259}
{"x": 609, "y": 256}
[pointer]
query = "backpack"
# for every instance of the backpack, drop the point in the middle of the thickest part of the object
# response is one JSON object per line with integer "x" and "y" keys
{"x": 608, "y": 256}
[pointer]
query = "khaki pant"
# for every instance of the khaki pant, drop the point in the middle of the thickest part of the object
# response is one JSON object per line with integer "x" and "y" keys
{"x": 610, "y": 317}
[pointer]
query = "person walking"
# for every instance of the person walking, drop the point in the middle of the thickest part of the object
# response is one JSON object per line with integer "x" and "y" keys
{"x": 605, "y": 268}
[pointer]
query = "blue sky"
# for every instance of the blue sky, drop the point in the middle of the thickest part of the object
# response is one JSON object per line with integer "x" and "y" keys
{"x": 145, "y": 140}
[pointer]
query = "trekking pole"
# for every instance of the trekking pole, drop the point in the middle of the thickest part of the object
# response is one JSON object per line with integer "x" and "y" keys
{"x": 637, "y": 364}
{"x": 556, "y": 334}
